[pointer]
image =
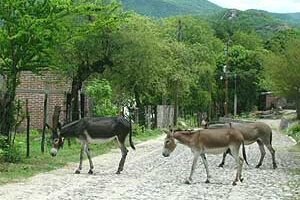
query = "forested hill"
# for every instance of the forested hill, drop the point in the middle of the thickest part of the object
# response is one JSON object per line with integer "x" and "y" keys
{"x": 166, "y": 8}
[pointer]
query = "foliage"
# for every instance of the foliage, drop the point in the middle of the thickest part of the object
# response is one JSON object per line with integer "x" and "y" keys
{"x": 142, "y": 134}
{"x": 9, "y": 153}
{"x": 282, "y": 71}
{"x": 101, "y": 93}
{"x": 139, "y": 59}
{"x": 28, "y": 35}
{"x": 167, "y": 8}
{"x": 39, "y": 162}
{"x": 294, "y": 131}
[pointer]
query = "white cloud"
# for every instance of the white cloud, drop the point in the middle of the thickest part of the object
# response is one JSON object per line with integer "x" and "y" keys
{"x": 281, "y": 6}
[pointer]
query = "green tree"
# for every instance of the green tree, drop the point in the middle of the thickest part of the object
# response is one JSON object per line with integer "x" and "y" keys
{"x": 101, "y": 93}
{"x": 28, "y": 32}
{"x": 139, "y": 58}
{"x": 196, "y": 62}
{"x": 87, "y": 49}
{"x": 282, "y": 72}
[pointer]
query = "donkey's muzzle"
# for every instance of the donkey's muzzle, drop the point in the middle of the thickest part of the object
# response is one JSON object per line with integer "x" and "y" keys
{"x": 53, "y": 152}
{"x": 165, "y": 154}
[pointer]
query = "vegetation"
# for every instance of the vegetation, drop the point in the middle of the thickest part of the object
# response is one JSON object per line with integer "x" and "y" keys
{"x": 294, "y": 131}
{"x": 37, "y": 163}
{"x": 282, "y": 67}
{"x": 167, "y": 8}
{"x": 127, "y": 59}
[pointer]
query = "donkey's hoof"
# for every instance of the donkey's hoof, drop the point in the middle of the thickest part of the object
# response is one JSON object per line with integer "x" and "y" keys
{"x": 221, "y": 165}
{"x": 188, "y": 181}
{"x": 257, "y": 166}
{"x": 77, "y": 171}
{"x": 207, "y": 181}
{"x": 118, "y": 172}
{"x": 241, "y": 179}
{"x": 234, "y": 183}
{"x": 90, "y": 172}
{"x": 274, "y": 166}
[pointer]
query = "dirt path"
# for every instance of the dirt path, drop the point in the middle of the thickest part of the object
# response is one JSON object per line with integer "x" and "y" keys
{"x": 148, "y": 175}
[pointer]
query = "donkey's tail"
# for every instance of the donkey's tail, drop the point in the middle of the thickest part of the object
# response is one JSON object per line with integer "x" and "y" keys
{"x": 130, "y": 134}
{"x": 244, "y": 153}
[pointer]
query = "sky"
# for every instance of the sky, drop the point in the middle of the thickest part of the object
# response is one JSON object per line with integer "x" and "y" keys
{"x": 278, "y": 6}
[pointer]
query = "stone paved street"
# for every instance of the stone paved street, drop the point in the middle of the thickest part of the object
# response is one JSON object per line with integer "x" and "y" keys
{"x": 149, "y": 175}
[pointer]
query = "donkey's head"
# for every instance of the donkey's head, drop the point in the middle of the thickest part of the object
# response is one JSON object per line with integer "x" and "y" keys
{"x": 169, "y": 143}
{"x": 57, "y": 143}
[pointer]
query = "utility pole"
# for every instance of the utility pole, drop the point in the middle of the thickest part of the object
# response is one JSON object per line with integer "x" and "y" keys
{"x": 226, "y": 80}
{"x": 179, "y": 39}
{"x": 235, "y": 94}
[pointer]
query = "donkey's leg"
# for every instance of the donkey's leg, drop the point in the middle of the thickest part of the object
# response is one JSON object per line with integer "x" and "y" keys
{"x": 239, "y": 162}
{"x": 124, "y": 152}
{"x": 87, "y": 151}
{"x": 272, "y": 151}
{"x": 224, "y": 157}
{"x": 206, "y": 167}
{"x": 262, "y": 153}
{"x": 195, "y": 160}
{"x": 77, "y": 171}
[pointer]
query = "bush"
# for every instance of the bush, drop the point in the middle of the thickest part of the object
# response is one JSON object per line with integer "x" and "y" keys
{"x": 101, "y": 93}
{"x": 294, "y": 131}
{"x": 140, "y": 133}
{"x": 9, "y": 153}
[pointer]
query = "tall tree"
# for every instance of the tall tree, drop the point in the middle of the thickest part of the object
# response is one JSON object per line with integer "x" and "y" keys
{"x": 87, "y": 49}
{"x": 282, "y": 72}
{"x": 28, "y": 32}
{"x": 139, "y": 58}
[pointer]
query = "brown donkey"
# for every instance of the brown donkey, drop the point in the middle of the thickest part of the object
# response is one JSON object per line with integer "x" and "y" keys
{"x": 253, "y": 132}
{"x": 211, "y": 141}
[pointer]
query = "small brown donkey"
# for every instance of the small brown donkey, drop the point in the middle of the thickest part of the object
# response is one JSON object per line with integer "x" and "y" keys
{"x": 211, "y": 141}
{"x": 253, "y": 132}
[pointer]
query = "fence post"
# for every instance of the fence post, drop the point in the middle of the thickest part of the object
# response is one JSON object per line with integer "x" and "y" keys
{"x": 27, "y": 131}
{"x": 44, "y": 124}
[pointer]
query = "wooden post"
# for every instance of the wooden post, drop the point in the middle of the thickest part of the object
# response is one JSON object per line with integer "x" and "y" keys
{"x": 55, "y": 121}
{"x": 27, "y": 131}
{"x": 68, "y": 108}
{"x": 44, "y": 124}
{"x": 82, "y": 104}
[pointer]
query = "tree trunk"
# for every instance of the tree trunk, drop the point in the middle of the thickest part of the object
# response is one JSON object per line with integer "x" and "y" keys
{"x": 141, "y": 111}
{"x": 76, "y": 87}
{"x": 7, "y": 106}
{"x": 298, "y": 108}
{"x": 83, "y": 72}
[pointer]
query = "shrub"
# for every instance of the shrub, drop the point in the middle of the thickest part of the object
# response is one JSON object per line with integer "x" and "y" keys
{"x": 294, "y": 131}
{"x": 9, "y": 153}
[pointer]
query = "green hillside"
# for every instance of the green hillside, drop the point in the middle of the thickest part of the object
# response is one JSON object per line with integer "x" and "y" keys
{"x": 290, "y": 18}
{"x": 262, "y": 22}
{"x": 166, "y": 8}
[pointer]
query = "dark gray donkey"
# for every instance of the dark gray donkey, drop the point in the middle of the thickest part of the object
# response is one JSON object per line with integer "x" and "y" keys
{"x": 93, "y": 130}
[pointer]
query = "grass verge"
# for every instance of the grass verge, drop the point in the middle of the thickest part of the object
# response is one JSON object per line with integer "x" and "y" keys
{"x": 42, "y": 162}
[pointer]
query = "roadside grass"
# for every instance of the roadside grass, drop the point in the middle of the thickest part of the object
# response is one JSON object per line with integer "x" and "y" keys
{"x": 42, "y": 162}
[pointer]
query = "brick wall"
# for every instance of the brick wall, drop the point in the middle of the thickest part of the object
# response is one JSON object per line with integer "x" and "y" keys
{"x": 34, "y": 87}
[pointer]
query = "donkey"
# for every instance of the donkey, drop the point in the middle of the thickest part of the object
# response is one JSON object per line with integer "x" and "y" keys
{"x": 253, "y": 132}
{"x": 92, "y": 130}
{"x": 208, "y": 141}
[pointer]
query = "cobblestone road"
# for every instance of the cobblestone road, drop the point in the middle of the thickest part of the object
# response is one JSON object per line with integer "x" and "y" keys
{"x": 148, "y": 175}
